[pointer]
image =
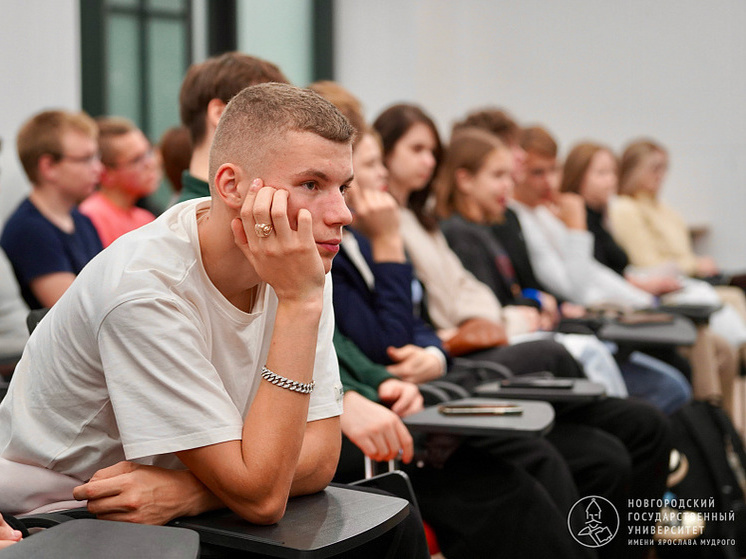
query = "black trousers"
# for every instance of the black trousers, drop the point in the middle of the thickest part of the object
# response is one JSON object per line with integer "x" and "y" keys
{"x": 617, "y": 449}
{"x": 485, "y": 502}
{"x": 529, "y": 357}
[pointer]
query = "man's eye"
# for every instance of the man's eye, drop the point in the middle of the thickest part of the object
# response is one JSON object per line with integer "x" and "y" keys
{"x": 344, "y": 188}
{"x": 310, "y": 185}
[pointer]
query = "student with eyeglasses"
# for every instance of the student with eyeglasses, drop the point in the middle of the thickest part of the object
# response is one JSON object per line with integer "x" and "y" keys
{"x": 47, "y": 240}
{"x": 130, "y": 172}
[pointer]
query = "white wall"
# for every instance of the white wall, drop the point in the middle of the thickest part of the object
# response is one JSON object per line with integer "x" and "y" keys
{"x": 609, "y": 71}
{"x": 39, "y": 69}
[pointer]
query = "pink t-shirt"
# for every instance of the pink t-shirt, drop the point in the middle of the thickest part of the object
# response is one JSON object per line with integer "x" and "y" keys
{"x": 110, "y": 220}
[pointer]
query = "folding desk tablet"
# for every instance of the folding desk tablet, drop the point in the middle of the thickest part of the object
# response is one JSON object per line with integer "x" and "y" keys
{"x": 332, "y": 521}
{"x": 535, "y": 420}
{"x": 700, "y": 314}
{"x": 548, "y": 390}
{"x": 104, "y": 539}
{"x": 680, "y": 331}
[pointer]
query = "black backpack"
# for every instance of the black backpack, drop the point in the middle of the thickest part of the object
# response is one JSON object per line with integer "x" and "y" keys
{"x": 714, "y": 485}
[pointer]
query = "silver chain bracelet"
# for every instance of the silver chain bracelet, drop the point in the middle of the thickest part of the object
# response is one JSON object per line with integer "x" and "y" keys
{"x": 284, "y": 382}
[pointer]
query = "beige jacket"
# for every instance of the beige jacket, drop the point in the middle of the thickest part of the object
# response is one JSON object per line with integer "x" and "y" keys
{"x": 453, "y": 293}
{"x": 651, "y": 233}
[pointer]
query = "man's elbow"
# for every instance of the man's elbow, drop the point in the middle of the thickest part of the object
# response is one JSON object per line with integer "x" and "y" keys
{"x": 269, "y": 511}
{"x": 325, "y": 473}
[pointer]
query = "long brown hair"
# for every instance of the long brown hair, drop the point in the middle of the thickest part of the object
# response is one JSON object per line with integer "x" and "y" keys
{"x": 468, "y": 150}
{"x": 577, "y": 163}
{"x": 392, "y": 124}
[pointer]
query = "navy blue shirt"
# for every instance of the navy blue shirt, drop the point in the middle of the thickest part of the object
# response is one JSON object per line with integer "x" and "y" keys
{"x": 375, "y": 319}
{"x": 36, "y": 247}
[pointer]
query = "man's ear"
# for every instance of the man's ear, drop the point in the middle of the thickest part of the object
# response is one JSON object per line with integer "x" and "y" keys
{"x": 45, "y": 166}
{"x": 464, "y": 180}
{"x": 227, "y": 185}
{"x": 215, "y": 110}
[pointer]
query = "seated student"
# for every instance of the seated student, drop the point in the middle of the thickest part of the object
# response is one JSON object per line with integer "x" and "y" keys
{"x": 654, "y": 235}
{"x": 205, "y": 91}
{"x": 463, "y": 514}
{"x": 175, "y": 150}
{"x": 411, "y": 152}
{"x": 558, "y": 245}
{"x": 591, "y": 172}
{"x": 47, "y": 240}
{"x": 203, "y": 339}
{"x": 130, "y": 173}
{"x": 471, "y": 501}
{"x": 651, "y": 232}
{"x": 472, "y": 192}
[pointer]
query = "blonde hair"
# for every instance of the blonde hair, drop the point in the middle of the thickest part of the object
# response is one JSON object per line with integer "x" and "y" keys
{"x": 42, "y": 135}
{"x": 632, "y": 158}
{"x": 261, "y": 114}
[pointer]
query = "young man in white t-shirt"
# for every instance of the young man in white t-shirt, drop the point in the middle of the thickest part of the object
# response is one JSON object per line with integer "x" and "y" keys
{"x": 203, "y": 339}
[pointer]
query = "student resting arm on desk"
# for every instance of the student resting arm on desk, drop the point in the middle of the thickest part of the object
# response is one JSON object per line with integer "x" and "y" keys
{"x": 203, "y": 339}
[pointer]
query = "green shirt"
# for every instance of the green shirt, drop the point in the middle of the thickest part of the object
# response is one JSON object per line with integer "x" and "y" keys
{"x": 192, "y": 187}
{"x": 357, "y": 372}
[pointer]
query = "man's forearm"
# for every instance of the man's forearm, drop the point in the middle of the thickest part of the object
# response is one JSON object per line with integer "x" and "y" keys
{"x": 318, "y": 459}
{"x": 254, "y": 476}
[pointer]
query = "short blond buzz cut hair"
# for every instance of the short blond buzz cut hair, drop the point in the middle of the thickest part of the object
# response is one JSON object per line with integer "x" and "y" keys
{"x": 42, "y": 135}
{"x": 260, "y": 114}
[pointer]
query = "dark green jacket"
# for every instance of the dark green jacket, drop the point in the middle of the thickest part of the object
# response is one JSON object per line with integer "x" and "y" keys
{"x": 358, "y": 373}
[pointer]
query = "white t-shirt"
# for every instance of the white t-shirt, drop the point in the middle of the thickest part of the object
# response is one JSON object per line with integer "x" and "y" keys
{"x": 143, "y": 357}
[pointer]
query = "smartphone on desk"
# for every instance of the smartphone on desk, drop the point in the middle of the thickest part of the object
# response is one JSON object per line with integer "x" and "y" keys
{"x": 480, "y": 409}
{"x": 564, "y": 383}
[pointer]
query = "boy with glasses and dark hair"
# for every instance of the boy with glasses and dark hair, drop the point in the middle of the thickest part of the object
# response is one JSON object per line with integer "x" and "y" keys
{"x": 130, "y": 172}
{"x": 47, "y": 240}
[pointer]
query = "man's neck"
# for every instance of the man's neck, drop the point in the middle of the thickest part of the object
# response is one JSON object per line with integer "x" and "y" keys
{"x": 118, "y": 198}
{"x": 199, "y": 165}
{"x": 223, "y": 261}
{"x": 53, "y": 205}
{"x": 524, "y": 203}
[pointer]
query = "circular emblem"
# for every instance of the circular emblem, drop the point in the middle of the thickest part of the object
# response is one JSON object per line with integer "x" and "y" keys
{"x": 593, "y": 521}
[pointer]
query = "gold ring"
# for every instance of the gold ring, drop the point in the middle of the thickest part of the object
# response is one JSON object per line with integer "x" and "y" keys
{"x": 263, "y": 230}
